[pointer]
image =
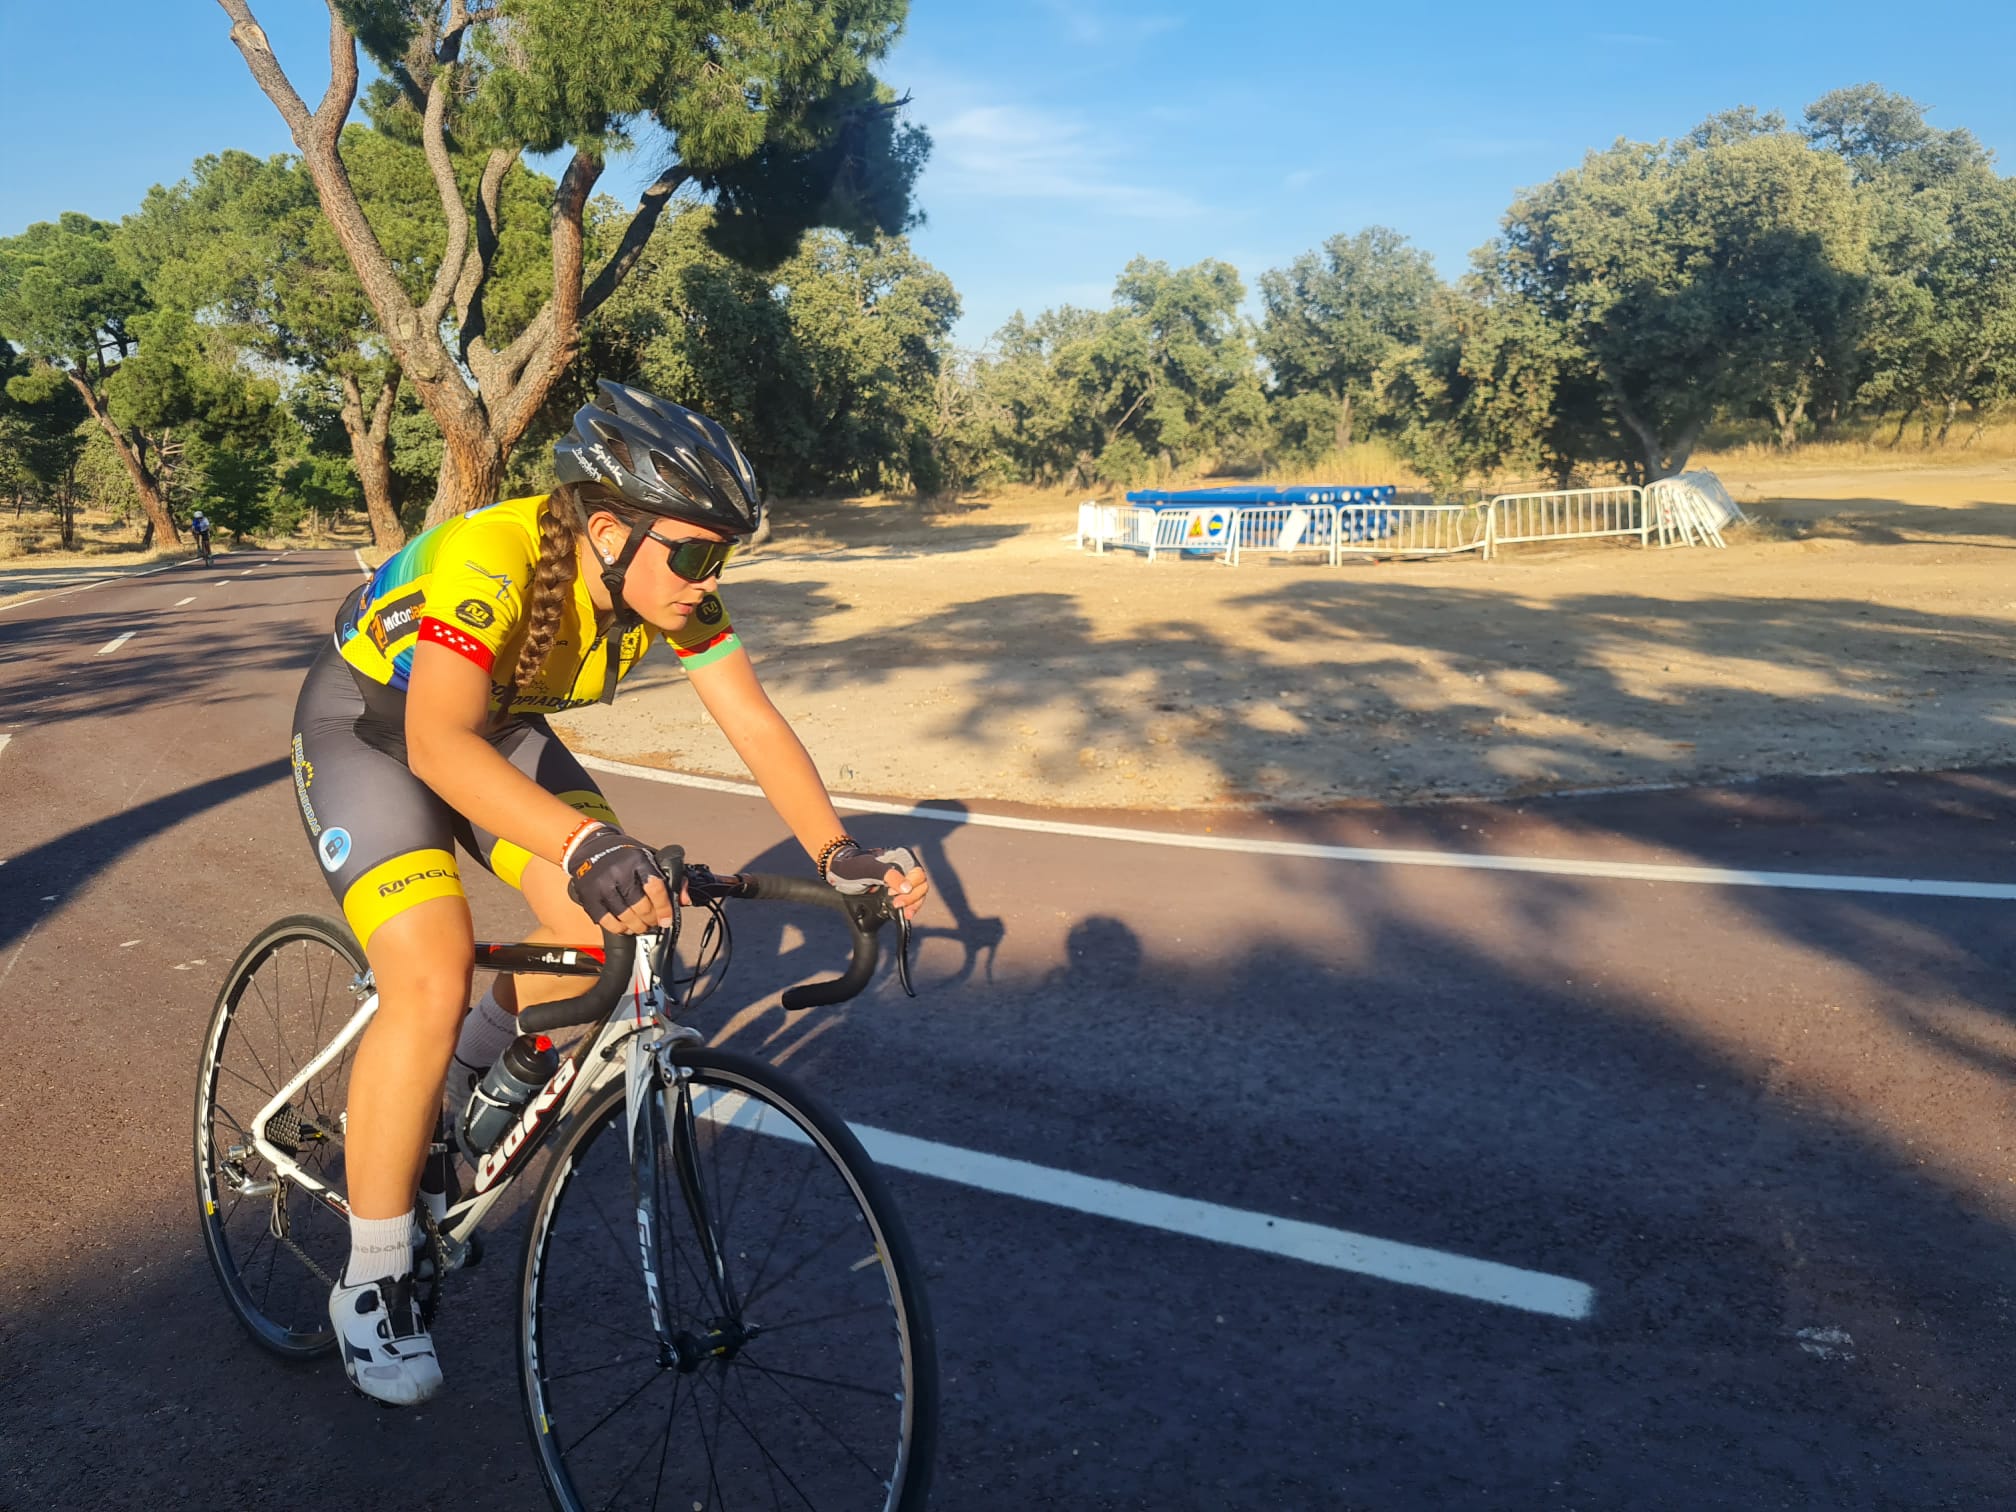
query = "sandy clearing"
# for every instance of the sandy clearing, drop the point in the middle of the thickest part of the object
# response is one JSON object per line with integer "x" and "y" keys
{"x": 1866, "y": 623}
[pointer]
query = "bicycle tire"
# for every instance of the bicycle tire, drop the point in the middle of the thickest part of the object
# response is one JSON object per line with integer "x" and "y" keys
{"x": 775, "y": 1412}
{"x": 248, "y": 1054}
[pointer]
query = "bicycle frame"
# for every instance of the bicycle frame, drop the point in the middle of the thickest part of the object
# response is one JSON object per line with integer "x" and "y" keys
{"x": 591, "y": 1066}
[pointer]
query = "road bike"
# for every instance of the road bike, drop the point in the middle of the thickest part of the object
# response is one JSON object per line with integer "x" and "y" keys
{"x": 718, "y": 1305}
{"x": 203, "y": 548}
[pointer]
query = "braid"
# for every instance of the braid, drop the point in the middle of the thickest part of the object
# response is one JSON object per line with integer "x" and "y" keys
{"x": 560, "y": 524}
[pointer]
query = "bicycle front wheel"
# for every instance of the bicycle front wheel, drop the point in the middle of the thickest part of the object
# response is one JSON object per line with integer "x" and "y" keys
{"x": 801, "y": 1369}
{"x": 277, "y": 1248}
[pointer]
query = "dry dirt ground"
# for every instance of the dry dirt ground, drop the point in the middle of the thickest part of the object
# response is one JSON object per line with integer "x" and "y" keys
{"x": 1866, "y": 621}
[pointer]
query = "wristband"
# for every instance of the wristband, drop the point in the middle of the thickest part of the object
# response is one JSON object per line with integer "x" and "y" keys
{"x": 831, "y": 849}
{"x": 581, "y": 832}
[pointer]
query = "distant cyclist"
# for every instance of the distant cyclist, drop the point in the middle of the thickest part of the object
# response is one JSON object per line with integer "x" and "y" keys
{"x": 199, "y": 526}
{"x": 423, "y": 723}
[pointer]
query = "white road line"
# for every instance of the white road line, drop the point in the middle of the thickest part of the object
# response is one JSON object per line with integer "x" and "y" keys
{"x": 362, "y": 565}
{"x": 253, "y": 568}
{"x": 1631, "y": 871}
{"x": 1289, "y": 1238}
{"x": 180, "y": 602}
{"x": 117, "y": 577}
{"x": 3, "y": 741}
{"x": 116, "y": 642}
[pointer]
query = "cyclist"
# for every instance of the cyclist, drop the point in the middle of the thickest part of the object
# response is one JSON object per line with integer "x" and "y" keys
{"x": 422, "y": 723}
{"x": 199, "y": 527}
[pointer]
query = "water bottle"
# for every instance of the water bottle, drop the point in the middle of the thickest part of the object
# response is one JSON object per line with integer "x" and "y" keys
{"x": 526, "y": 1065}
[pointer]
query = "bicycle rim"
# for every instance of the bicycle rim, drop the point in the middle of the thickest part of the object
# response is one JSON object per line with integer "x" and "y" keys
{"x": 804, "y": 1373}
{"x": 276, "y": 1248}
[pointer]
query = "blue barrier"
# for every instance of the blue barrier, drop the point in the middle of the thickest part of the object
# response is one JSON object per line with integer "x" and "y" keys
{"x": 1213, "y": 512}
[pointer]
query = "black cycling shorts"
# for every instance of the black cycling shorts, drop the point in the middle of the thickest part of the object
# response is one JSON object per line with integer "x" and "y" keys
{"x": 386, "y": 840}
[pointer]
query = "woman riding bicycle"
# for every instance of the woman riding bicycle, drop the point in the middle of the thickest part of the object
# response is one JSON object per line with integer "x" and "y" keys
{"x": 422, "y": 724}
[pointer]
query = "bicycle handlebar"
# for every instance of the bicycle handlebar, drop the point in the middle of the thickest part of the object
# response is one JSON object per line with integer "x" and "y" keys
{"x": 865, "y": 914}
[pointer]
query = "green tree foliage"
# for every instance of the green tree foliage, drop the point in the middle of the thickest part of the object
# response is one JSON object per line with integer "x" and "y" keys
{"x": 1335, "y": 317}
{"x": 40, "y": 435}
{"x": 1690, "y": 280}
{"x": 244, "y": 242}
{"x": 773, "y": 108}
{"x": 1162, "y": 379}
{"x": 72, "y": 304}
{"x": 824, "y": 368}
{"x": 1941, "y": 315}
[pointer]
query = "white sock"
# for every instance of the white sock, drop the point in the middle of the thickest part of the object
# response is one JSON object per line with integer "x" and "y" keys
{"x": 379, "y": 1247}
{"x": 485, "y": 1033}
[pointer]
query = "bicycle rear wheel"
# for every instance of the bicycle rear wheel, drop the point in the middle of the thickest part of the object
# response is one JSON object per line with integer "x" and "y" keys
{"x": 276, "y": 1248}
{"x": 804, "y": 1369}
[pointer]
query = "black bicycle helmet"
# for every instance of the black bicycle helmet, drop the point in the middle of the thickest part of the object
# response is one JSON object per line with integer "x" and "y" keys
{"x": 663, "y": 458}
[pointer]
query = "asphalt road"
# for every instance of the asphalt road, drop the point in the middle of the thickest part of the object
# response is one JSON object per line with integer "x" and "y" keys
{"x": 1769, "y": 1128}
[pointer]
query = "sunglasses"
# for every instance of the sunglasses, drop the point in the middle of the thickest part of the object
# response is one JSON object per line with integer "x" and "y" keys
{"x": 694, "y": 558}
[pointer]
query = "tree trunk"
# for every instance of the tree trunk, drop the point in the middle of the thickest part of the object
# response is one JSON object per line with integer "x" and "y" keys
{"x": 158, "y": 518}
{"x": 472, "y": 472}
{"x": 371, "y": 455}
{"x": 1343, "y": 435}
{"x": 1946, "y": 425}
{"x": 1788, "y": 418}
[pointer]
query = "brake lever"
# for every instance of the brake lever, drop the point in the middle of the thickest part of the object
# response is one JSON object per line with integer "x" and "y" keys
{"x": 903, "y": 952}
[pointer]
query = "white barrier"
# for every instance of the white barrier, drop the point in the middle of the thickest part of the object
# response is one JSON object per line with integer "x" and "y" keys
{"x": 1568, "y": 514}
{"x": 1409, "y": 530}
{"x": 1687, "y": 510}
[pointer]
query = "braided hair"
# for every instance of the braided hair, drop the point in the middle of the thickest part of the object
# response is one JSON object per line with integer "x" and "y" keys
{"x": 562, "y": 523}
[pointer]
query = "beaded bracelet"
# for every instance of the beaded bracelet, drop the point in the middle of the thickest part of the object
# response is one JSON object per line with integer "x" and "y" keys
{"x": 585, "y": 827}
{"x": 830, "y": 852}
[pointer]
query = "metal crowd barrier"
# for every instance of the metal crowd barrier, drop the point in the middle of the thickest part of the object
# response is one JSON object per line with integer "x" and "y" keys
{"x": 1384, "y": 529}
{"x": 1569, "y": 514}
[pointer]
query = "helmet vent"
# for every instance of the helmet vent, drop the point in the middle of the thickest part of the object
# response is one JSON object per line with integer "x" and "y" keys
{"x": 673, "y": 476}
{"x": 613, "y": 439}
{"x": 725, "y": 482}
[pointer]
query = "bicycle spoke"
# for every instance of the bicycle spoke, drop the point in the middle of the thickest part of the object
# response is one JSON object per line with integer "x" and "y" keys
{"x": 645, "y": 1386}
{"x": 585, "y": 1370}
{"x": 743, "y": 1361}
{"x": 756, "y": 1288}
{"x": 769, "y": 1459}
{"x": 827, "y": 1429}
{"x": 846, "y": 1225}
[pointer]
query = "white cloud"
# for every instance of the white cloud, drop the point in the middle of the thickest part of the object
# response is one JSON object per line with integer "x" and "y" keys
{"x": 1020, "y": 152}
{"x": 1090, "y": 27}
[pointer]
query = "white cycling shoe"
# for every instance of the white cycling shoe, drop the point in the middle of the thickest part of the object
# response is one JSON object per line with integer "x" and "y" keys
{"x": 387, "y": 1352}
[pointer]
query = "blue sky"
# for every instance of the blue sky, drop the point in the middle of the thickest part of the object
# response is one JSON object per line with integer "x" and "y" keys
{"x": 1072, "y": 137}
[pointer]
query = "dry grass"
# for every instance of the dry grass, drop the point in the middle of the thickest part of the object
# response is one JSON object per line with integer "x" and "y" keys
{"x": 1868, "y": 447}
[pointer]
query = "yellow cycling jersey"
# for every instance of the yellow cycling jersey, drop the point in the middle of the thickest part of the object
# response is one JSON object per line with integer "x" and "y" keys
{"x": 464, "y": 585}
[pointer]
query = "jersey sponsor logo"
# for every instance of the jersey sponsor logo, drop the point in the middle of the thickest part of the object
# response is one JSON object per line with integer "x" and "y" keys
{"x": 398, "y": 885}
{"x": 476, "y": 614}
{"x": 493, "y": 1165}
{"x": 334, "y": 847}
{"x": 503, "y": 580}
{"x": 304, "y": 773}
{"x": 708, "y": 611}
{"x": 396, "y": 620}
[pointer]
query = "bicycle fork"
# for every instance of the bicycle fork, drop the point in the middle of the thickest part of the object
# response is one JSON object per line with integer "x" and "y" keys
{"x": 657, "y": 1097}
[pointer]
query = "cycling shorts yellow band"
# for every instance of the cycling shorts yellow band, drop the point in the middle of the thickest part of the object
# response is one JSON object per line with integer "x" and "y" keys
{"x": 508, "y": 861}
{"x": 394, "y": 886}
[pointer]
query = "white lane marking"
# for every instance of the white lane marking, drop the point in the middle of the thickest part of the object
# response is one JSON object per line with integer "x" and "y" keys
{"x": 362, "y": 565}
{"x": 180, "y": 602}
{"x": 1633, "y": 871}
{"x": 117, "y": 577}
{"x": 252, "y": 568}
{"x": 3, "y": 741}
{"x": 1291, "y": 1239}
{"x": 116, "y": 642}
